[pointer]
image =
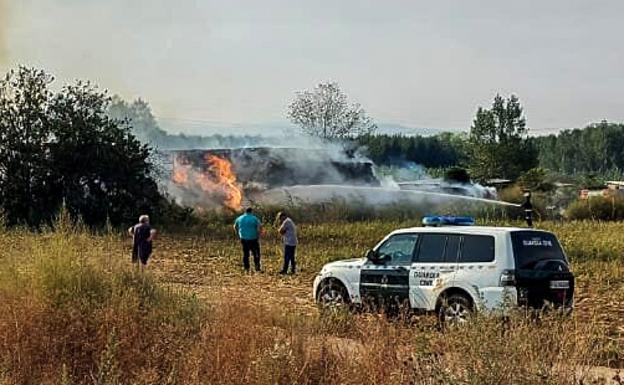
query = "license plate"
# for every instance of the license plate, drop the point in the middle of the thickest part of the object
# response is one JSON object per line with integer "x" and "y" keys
{"x": 559, "y": 284}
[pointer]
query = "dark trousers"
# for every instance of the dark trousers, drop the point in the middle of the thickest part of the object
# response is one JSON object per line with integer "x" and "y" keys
{"x": 289, "y": 258}
{"x": 253, "y": 246}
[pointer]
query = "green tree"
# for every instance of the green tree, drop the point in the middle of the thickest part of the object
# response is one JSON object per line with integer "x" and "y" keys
{"x": 139, "y": 115}
{"x": 498, "y": 145}
{"x": 535, "y": 179}
{"x": 326, "y": 113}
{"x": 457, "y": 175}
{"x": 63, "y": 148}
{"x": 597, "y": 148}
{"x": 24, "y": 132}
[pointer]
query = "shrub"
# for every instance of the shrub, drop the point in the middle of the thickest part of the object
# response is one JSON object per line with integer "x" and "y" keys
{"x": 597, "y": 208}
{"x": 77, "y": 313}
{"x": 457, "y": 175}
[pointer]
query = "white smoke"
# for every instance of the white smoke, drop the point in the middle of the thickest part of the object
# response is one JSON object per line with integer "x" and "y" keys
{"x": 368, "y": 196}
{"x": 303, "y": 170}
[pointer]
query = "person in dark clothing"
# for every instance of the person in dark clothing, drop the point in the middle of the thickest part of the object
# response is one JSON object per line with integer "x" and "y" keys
{"x": 249, "y": 228}
{"x": 527, "y": 206}
{"x": 142, "y": 236}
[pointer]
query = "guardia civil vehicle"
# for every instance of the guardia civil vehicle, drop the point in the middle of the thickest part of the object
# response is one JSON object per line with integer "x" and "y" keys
{"x": 453, "y": 268}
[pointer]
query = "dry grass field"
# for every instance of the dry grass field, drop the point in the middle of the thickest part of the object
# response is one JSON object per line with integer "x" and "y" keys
{"x": 72, "y": 311}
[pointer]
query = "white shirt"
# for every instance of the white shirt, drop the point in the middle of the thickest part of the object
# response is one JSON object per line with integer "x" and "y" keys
{"x": 289, "y": 232}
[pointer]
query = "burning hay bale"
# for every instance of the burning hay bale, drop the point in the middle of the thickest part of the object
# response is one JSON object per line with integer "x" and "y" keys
{"x": 225, "y": 177}
{"x": 212, "y": 181}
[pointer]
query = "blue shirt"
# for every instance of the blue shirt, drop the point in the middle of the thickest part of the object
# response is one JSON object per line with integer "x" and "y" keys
{"x": 247, "y": 225}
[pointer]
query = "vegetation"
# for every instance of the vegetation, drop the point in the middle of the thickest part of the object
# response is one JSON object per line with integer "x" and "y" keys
{"x": 597, "y": 208}
{"x": 498, "y": 145}
{"x": 138, "y": 115}
{"x": 457, "y": 175}
{"x": 597, "y": 148}
{"x": 73, "y": 311}
{"x": 61, "y": 148}
{"x": 326, "y": 113}
{"x": 437, "y": 151}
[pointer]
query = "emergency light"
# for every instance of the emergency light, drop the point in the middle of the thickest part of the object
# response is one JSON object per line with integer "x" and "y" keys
{"x": 447, "y": 220}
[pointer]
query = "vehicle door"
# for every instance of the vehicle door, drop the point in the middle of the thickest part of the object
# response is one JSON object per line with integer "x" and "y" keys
{"x": 388, "y": 281}
{"x": 433, "y": 269}
{"x": 477, "y": 270}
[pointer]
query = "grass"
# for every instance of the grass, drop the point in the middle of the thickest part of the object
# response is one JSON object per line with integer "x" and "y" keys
{"x": 72, "y": 311}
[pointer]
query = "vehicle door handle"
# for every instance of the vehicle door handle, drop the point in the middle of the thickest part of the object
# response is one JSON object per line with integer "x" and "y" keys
{"x": 447, "y": 270}
{"x": 402, "y": 268}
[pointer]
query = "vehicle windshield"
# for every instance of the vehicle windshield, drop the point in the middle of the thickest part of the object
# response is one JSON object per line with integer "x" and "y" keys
{"x": 530, "y": 247}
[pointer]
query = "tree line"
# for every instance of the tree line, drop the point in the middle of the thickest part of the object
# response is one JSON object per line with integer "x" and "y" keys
{"x": 597, "y": 148}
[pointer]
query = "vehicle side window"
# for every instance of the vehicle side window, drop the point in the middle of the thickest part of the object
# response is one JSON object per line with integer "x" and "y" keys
{"x": 432, "y": 248}
{"x": 400, "y": 248}
{"x": 477, "y": 248}
{"x": 451, "y": 251}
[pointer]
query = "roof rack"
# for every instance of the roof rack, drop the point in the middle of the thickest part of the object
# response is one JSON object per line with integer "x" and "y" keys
{"x": 447, "y": 220}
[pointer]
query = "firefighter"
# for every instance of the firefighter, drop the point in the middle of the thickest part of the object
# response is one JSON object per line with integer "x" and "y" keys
{"x": 527, "y": 206}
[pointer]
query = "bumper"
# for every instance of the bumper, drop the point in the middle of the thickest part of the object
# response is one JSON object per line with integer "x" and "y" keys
{"x": 315, "y": 286}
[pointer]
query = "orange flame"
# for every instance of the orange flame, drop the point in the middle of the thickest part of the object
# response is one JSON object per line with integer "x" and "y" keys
{"x": 225, "y": 181}
{"x": 181, "y": 168}
{"x": 180, "y": 175}
{"x": 217, "y": 179}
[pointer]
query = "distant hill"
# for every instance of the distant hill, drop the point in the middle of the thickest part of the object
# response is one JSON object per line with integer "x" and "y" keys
{"x": 195, "y": 127}
{"x": 398, "y": 129}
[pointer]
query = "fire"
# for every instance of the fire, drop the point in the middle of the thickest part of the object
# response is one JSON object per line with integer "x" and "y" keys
{"x": 180, "y": 173}
{"x": 216, "y": 180}
{"x": 226, "y": 181}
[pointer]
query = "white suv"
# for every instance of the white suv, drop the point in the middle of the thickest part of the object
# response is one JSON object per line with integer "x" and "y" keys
{"x": 453, "y": 270}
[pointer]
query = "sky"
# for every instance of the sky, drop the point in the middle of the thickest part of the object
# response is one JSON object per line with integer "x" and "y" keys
{"x": 205, "y": 63}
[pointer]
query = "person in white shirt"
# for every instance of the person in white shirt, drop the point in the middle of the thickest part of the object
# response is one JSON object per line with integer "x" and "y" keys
{"x": 288, "y": 231}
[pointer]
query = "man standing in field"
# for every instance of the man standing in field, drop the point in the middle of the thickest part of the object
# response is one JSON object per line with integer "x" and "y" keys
{"x": 142, "y": 236}
{"x": 248, "y": 229}
{"x": 288, "y": 230}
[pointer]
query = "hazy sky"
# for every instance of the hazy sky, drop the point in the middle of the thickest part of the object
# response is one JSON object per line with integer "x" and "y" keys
{"x": 417, "y": 63}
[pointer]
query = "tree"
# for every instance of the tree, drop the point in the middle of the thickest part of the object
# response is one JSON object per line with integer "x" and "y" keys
{"x": 596, "y": 148}
{"x": 325, "y": 112}
{"x": 24, "y": 131}
{"x": 139, "y": 115}
{"x": 62, "y": 148}
{"x": 457, "y": 175}
{"x": 498, "y": 144}
{"x": 535, "y": 179}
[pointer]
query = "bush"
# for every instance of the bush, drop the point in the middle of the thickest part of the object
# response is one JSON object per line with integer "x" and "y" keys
{"x": 457, "y": 175}
{"x": 535, "y": 179}
{"x": 597, "y": 208}
{"x": 77, "y": 314}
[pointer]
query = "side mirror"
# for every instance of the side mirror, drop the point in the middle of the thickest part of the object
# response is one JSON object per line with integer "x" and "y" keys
{"x": 371, "y": 255}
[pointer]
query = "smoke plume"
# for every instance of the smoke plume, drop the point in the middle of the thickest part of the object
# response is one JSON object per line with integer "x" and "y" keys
{"x": 4, "y": 20}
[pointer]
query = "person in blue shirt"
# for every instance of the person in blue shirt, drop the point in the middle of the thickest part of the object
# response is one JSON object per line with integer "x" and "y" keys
{"x": 248, "y": 228}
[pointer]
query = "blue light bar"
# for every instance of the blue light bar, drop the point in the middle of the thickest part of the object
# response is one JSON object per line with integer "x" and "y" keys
{"x": 447, "y": 220}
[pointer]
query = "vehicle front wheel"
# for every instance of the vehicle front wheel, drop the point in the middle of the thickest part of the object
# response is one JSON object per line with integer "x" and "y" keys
{"x": 332, "y": 295}
{"x": 455, "y": 309}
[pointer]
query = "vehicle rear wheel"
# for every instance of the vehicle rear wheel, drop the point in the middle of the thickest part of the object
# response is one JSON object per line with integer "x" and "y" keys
{"x": 455, "y": 309}
{"x": 333, "y": 295}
